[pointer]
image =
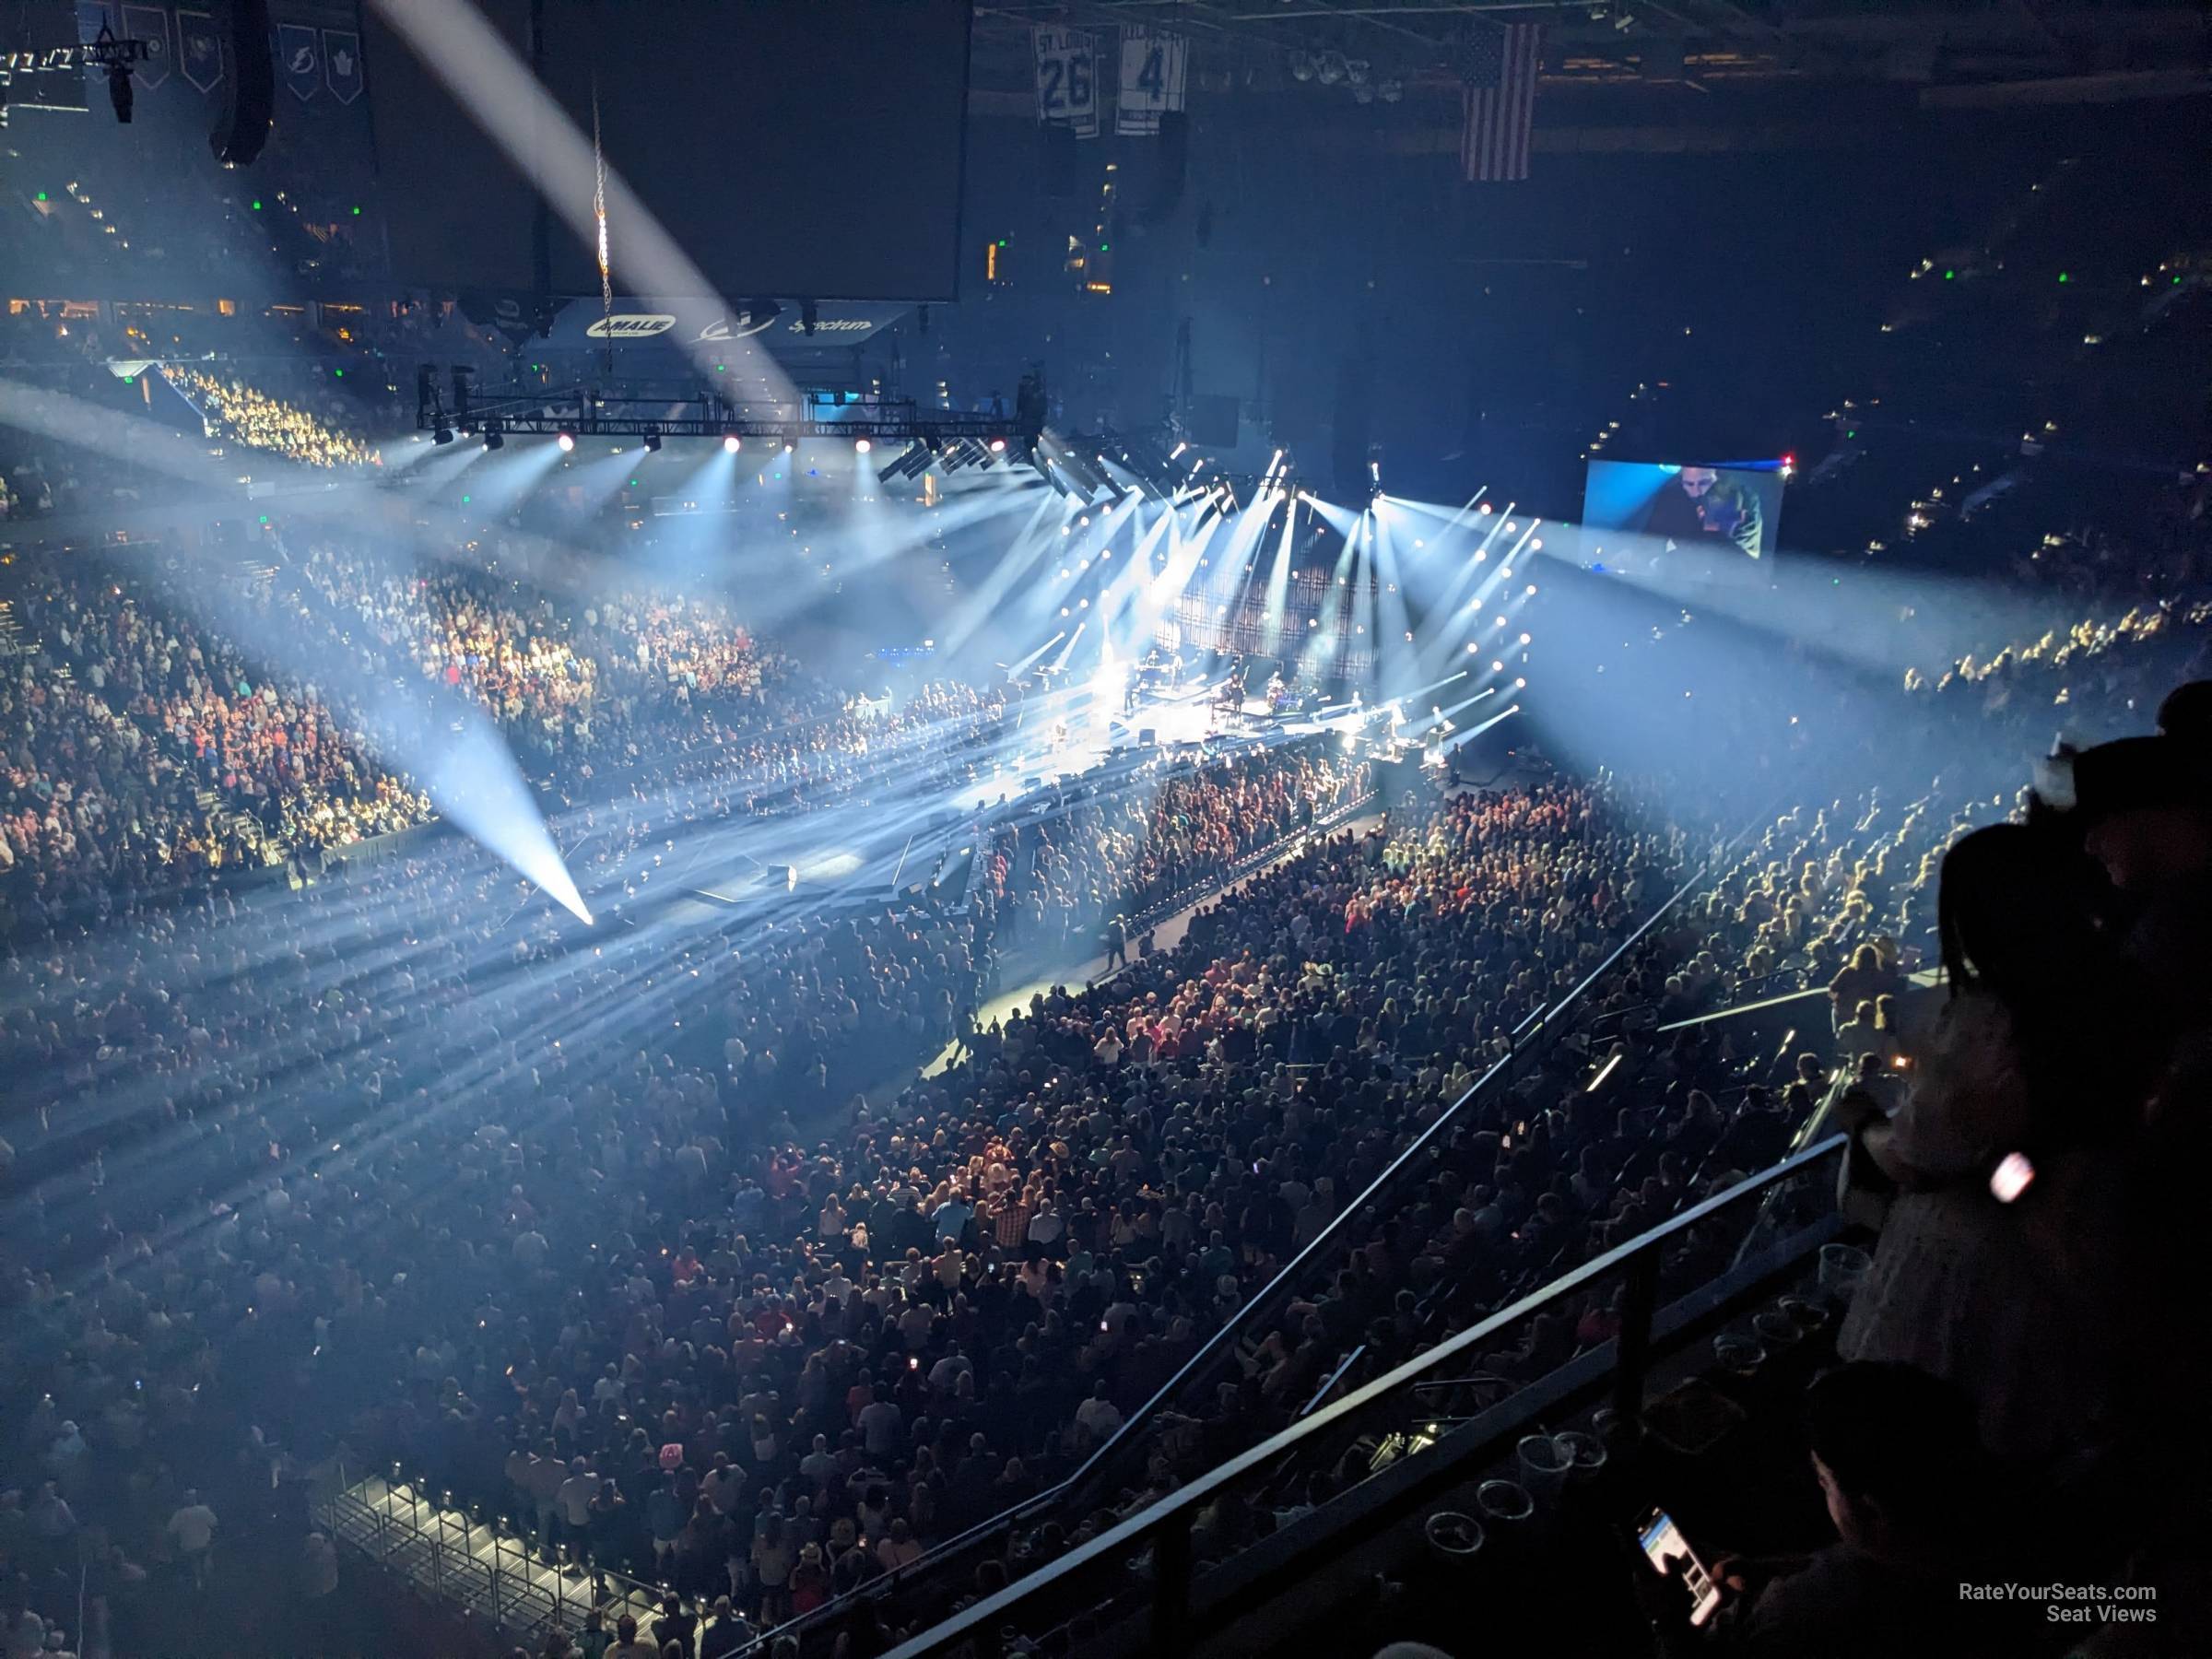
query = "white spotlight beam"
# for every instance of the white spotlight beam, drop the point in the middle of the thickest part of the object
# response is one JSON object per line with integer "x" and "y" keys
{"x": 505, "y": 99}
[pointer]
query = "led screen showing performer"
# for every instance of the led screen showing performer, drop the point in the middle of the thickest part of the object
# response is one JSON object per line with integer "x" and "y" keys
{"x": 1681, "y": 508}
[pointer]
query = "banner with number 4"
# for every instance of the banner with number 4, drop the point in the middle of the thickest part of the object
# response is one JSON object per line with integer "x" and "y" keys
{"x": 1153, "y": 70}
{"x": 1068, "y": 79}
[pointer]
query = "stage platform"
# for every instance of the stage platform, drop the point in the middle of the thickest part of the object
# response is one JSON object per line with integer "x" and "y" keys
{"x": 860, "y": 852}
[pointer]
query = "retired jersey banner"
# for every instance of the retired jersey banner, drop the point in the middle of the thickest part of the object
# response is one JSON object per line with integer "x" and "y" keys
{"x": 91, "y": 17}
{"x": 1067, "y": 78}
{"x": 297, "y": 60}
{"x": 199, "y": 50}
{"x": 1154, "y": 70}
{"x": 342, "y": 64}
{"x": 151, "y": 24}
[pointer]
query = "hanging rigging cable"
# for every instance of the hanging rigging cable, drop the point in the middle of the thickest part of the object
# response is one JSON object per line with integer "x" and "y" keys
{"x": 607, "y": 269}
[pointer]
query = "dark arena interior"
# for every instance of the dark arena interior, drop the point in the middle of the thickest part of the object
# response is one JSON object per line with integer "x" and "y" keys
{"x": 1101, "y": 828}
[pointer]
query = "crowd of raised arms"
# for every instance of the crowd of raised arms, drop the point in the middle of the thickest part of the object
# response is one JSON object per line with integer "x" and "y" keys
{"x": 398, "y": 1163}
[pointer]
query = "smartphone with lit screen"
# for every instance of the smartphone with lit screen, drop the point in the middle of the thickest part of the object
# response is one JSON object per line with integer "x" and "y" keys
{"x": 1662, "y": 1546}
{"x": 2014, "y": 1175}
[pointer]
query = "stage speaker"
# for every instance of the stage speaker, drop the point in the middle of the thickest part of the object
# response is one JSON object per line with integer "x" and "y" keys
{"x": 1148, "y": 735}
{"x": 1059, "y": 159}
{"x": 251, "y": 100}
{"x": 1214, "y": 420}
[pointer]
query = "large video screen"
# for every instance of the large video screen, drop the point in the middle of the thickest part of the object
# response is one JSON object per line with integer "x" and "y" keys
{"x": 794, "y": 150}
{"x": 1654, "y": 509}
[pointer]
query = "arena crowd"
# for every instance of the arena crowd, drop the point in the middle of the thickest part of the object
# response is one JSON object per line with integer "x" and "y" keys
{"x": 398, "y": 1168}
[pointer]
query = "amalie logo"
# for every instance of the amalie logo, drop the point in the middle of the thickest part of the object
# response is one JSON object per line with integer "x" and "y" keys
{"x": 632, "y": 325}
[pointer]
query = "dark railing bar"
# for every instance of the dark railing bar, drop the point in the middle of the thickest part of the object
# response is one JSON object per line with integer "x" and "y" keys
{"x": 955, "y": 1546}
{"x": 1201, "y": 1490}
{"x": 1005, "y": 1519}
{"x": 1640, "y": 1302}
{"x": 1326, "y": 1238}
{"x": 1334, "y": 1378}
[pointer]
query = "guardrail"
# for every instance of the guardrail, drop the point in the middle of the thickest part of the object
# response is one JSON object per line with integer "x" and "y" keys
{"x": 1406, "y": 1435}
{"x": 483, "y": 1568}
{"x": 1075, "y": 1494}
{"x": 1283, "y": 846}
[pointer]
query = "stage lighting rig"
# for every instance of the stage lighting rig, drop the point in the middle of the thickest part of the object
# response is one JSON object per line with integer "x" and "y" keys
{"x": 464, "y": 385}
{"x": 654, "y": 417}
{"x": 913, "y": 463}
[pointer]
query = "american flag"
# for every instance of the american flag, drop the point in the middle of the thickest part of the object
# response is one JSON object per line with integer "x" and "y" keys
{"x": 1497, "y": 100}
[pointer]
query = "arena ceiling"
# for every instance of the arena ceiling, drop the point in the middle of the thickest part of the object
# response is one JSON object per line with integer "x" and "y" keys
{"x": 2007, "y": 52}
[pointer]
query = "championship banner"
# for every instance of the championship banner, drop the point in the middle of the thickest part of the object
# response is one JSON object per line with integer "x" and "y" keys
{"x": 199, "y": 50}
{"x": 295, "y": 60}
{"x": 1067, "y": 78}
{"x": 151, "y": 24}
{"x": 1154, "y": 71}
{"x": 91, "y": 17}
{"x": 342, "y": 64}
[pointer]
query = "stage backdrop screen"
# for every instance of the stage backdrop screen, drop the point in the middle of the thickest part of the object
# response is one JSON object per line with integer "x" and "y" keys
{"x": 793, "y": 148}
{"x": 1637, "y": 513}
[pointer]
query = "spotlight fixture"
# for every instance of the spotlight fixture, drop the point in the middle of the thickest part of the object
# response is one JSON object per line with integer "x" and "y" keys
{"x": 790, "y": 444}
{"x": 1301, "y": 67}
{"x": 1356, "y": 70}
{"x": 566, "y": 440}
{"x": 494, "y": 439}
{"x": 1391, "y": 91}
{"x": 998, "y": 446}
{"x": 731, "y": 443}
{"x": 653, "y": 440}
{"x": 1330, "y": 68}
{"x": 442, "y": 434}
{"x": 861, "y": 446}
{"x": 915, "y": 460}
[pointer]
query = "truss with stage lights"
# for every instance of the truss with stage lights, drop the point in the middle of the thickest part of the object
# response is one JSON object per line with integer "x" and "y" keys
{"x": 581, "y": 413}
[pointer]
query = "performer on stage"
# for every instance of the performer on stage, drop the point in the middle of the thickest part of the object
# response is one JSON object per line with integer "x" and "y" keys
{"x": 1232, "y": 689}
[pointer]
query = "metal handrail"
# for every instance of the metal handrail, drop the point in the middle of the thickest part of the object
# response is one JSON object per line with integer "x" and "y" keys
{"x": 1550, "y": 1025}
{"x": 391, "y": 1522}
{"x": 1250, "y": 863}
{"x": 1172, "y": 1514}
{"x": 1325, "y": 1241}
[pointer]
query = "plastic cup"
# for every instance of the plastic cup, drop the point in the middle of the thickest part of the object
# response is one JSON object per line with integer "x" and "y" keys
{"x": 1808, "y": 1315}
{"x": 1776, "y": 1329}
{"x": 1585, "y": 1455}
{"x": 1545, "y": 1465}
{"x": 1504, "y": 1502}
{"x": 1454, "y": 1536}
{"x": 1843, "y": 1269}
{"x": 1738, "y": 1354}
